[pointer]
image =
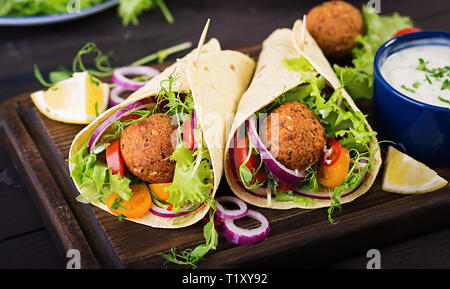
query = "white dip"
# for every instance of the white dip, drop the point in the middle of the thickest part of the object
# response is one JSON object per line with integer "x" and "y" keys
{"x": 427, "y": 82}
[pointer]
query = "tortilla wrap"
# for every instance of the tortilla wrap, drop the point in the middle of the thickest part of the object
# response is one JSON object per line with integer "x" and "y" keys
{"x": 217, "y": 82}
{"x": 271, "y": 79}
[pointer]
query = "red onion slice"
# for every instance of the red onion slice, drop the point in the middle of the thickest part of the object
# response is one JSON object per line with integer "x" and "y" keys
{"x": 243, "y": 236}
{"x": 120, "y": 113}
{"x": 278, "y": 170}
{"x": 160, "y": 212}
{"x": 231, "y": 214}
{"x": 119, "y": 76}
{"x": 114, "y": 95}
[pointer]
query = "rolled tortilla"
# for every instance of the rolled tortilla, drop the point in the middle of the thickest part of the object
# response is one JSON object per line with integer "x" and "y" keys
{"x": 217, "y": 82}
{"x": 271, "y": 79}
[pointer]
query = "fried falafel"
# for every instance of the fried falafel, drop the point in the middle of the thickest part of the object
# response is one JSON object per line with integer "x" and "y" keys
{"x": 334, "y": 25}
{"x": 301, "y": 136}
{"x": 146, "y": 147}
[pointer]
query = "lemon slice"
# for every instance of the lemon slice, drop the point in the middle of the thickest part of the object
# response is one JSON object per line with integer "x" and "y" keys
{"x": 405, "y": 175}
{"x": 79, "y": 99}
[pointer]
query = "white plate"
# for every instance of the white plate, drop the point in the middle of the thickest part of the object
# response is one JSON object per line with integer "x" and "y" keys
{"x": 49, "y": 19}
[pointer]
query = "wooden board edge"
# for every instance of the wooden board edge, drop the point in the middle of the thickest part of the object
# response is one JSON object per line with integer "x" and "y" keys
{"x": 386, "y": 224}
{"x": 61, "y": 223}
{"x": 90, "y": 225}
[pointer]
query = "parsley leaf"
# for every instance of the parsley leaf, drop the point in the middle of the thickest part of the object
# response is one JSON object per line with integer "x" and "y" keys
{"x": 445, "y": 84}
{"x": 407, "y": 88}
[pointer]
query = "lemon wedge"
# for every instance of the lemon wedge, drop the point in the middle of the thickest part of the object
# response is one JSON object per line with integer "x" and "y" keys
{"x": 79, "y": 99}
{"x": 405, "y": 175}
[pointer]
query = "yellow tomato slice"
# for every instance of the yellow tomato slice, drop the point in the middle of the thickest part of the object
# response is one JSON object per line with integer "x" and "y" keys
{"x": 334, "y": 175}
{"x": 158, "y": 190}
{"x": 136, "y": 207}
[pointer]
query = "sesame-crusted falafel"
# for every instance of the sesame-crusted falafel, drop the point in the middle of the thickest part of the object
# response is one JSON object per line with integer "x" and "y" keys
{"x": 334, "y": 25}
{"x": 146, "y": 147}
{"x": 301, "y": 136}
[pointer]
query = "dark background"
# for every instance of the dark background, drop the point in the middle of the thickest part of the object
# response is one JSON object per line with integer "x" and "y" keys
{"x": 24, "y": 240}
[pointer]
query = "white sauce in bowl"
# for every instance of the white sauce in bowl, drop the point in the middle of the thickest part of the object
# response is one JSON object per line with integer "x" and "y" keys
{"x": 428, "y": 82}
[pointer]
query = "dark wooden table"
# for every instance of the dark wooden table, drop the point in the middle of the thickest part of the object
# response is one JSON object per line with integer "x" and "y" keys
{"x": 24, "y": 239}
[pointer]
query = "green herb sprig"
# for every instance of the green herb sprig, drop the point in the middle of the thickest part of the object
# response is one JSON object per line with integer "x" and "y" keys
{"x": 192, "y": 256}
{"x": 102, "y": 63}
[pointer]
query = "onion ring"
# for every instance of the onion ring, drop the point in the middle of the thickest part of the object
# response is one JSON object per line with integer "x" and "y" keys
{"x": 231, "y": 214}
{"x": 120, "y": 113}
{"x": 160, "y": 212}
{"x": 243, "y": 236}
{"x": 120, "y": 79}
{"x": 114, "y": 95}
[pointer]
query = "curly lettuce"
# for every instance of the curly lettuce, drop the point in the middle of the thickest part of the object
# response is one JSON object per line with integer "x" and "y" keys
{"x": 95, "y": 179}
{"x": 129, "y": 10}
{"x": 358, "y": 78}
{"x": 340, "y": 120}
{"x": 191, "y": 177}
{"x": 42, "y": 7}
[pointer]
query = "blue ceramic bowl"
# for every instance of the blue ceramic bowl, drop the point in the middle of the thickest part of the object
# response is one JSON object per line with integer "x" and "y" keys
{"x": 423, "y": 130}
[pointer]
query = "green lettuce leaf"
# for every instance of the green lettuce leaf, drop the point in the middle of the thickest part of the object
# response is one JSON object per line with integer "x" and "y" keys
{"x": 43, "y": 7}
{"x": 190, "y": 181}
{"x": 129, "y": 10}
{"x": 87, "y": 174}
{"x": 95, "y": 179}
{"x": 358, "y": 78}
{"x": 119, "y": 185}
{"x": 335, "y": 114}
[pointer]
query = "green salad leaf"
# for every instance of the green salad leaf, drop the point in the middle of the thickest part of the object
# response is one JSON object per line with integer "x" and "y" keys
{"x": 339, "y": 119}
{"x": 191, "y": 257}
{"x": 129, "y": 10}
{"x": 95, "y": 179}
{"x": 42, "y": 7}
{"x": 358, "y": 78}
{"x": 190, "y": 181}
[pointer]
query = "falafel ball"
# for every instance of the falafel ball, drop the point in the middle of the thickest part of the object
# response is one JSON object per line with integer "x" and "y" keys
{"x": 334, "y": 25}
{"x": 301, "y": 136}
{"x": 146, "y": 147}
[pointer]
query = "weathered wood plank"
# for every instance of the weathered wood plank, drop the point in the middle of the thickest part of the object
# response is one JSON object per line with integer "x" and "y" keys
{"x": 45, "y": 193}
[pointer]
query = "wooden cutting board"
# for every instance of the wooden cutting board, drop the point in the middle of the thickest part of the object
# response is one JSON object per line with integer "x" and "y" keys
{"x": 298, "y": 238}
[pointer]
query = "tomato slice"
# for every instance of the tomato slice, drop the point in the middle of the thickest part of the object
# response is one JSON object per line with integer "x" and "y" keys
{"x": 114, "y": 159}
{"x": 188, "y": 134}
{"x": 136, "y": 207}
{"x": 332, "y": 176}
{"x": 158, "y": 190}
{"x": 240, "y": 155}
{"x": 406, "y": 31}
{"x": 330, "y": 157}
